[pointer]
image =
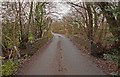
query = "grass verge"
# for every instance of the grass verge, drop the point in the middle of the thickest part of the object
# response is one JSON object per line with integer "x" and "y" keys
{"x": 10, "y": 67}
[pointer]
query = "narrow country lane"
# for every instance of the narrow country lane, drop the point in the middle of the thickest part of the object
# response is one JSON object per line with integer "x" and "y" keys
{"x": 61, "y": 57}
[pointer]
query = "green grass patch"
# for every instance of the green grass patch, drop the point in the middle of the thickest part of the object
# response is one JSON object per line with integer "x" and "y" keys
{"x": 111, "y": 57}
{"x": 9, "y": 67}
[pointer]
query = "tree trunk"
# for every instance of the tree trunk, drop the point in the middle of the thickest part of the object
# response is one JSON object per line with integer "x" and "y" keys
{"x": 22, "y": 41}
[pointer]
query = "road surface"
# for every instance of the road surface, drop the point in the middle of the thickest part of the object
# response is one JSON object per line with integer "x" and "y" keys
{"x": 60, "y": 57}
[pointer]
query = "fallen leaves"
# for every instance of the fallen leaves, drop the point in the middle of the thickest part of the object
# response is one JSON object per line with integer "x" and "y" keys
{"x": 108, "y": 66}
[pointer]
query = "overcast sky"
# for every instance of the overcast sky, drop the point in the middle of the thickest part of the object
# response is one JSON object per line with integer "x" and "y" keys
{"x": 61, "y": 8}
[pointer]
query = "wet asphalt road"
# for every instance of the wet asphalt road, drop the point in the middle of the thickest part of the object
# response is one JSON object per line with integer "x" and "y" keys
{"x": 60, "y": 57}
